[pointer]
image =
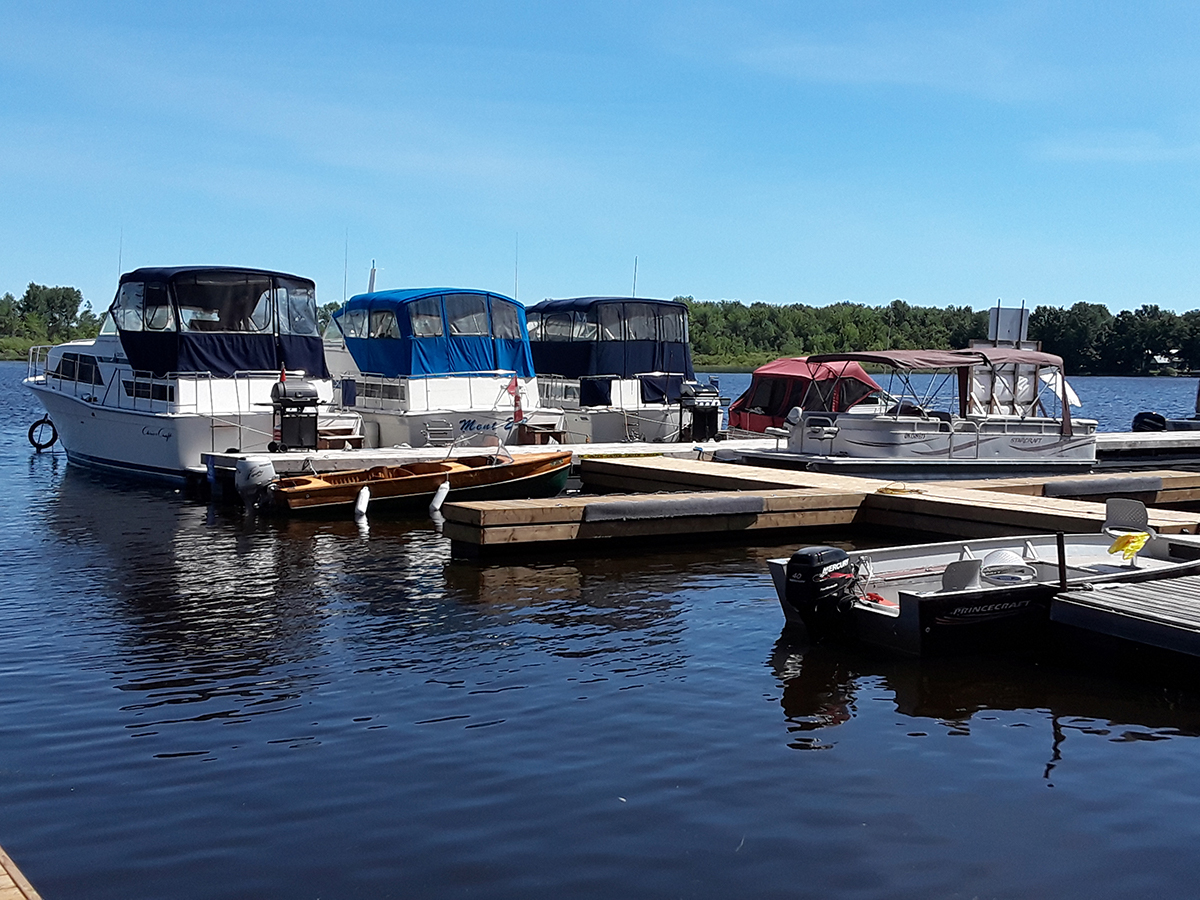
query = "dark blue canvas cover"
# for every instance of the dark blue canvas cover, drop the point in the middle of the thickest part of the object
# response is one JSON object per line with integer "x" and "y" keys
{"x": 625, "y": 357}
{"x": 225, "y": 350}
{"x": 502, "y": 345}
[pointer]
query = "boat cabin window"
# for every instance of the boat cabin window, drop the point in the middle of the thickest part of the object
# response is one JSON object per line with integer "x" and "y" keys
{"x": 127, "y": 308}
{"x": 641, "y": 322}
{"x": 610, "y": 322}
{"x": 425, "y": 316}
{"x": 557, "y": 327}
{"x": 769, "y": 395}
{"x": 157, "y": 312}
{"x": 353, "y": 323}
{"x": 467, "y": 313}
{"x": 383, "y": 324}
{"x": 672, "y": 325}
{"x": 585, "y": 327}
{"x": 224, "y": 301}
{"x": 506, "y": 320}
{"x": 107, "y": 325}
{"x": 533, "y": 323}
{"x": 78, "y": 367}
{"x": 297, "y": 304}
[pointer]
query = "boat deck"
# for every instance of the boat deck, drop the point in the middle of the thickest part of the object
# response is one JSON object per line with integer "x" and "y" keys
{"x": 1163, "y": 614}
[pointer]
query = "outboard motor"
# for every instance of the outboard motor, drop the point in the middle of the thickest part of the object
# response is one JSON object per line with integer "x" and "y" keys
{"x": 252, "y": 476}
{"x": 820, "y": 588}
{"x": 1149, "y": 421}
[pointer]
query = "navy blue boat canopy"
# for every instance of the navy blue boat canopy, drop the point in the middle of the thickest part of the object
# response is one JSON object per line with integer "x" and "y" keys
{"x": 219, "y": 320}
{"x": 615, "y": 336}
{"x": 435, "y": 331}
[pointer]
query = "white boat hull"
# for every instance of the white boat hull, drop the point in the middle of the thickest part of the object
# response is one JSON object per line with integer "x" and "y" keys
{"x": 160, "y": 445}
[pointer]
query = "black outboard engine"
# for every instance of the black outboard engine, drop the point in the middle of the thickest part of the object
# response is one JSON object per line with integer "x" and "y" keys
{"x": 820, "y": 588}
{"x": 1149, "y": 421}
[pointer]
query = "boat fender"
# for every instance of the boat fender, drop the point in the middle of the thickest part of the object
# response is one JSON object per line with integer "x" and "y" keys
{"x": 251, "y": 477}
{"x": 439, "y": 497}
{"x": 37, "y": 431}
{"x": 361, "y": 502}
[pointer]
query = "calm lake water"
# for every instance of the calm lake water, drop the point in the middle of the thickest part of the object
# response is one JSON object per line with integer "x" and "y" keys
{"x": 197, "y": 704}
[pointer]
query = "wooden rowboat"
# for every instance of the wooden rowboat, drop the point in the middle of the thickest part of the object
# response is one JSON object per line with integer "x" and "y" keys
{"x": 470, "y": 477}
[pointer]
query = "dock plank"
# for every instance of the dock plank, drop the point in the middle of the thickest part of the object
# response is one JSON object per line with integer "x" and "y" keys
{"x": 1163, "y": 614}
{"x": 693, "y": 496}
{"x": 14, "y": 885}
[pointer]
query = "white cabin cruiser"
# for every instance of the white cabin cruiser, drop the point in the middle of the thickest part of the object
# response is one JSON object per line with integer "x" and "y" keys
{"x": 435, "y": 366}
{"x": 189, "y": 360}
{"x": 956, "y": 413}
{"x": 621, "y": 369}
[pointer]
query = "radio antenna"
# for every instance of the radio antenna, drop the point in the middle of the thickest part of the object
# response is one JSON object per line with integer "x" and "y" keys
{"x": 516, "y": 262}
{"x": 346, "y": 268}
{"x": 634, "y": 294}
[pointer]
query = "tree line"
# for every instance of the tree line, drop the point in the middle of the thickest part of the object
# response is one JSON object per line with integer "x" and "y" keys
{"x": 44, "y": 315}
{"x": 1091, "y": 340}
{"x": 735, "y": 336}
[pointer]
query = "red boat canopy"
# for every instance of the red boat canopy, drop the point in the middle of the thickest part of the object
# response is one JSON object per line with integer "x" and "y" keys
{"x": 779, "y": 386}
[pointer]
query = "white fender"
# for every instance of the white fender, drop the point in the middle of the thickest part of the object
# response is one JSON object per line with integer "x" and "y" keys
{"x": 361, "y": 501}
{"x": 439, "y": 497}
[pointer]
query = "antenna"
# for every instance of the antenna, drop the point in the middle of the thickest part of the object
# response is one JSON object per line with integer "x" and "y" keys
{"x": 120, "y": 249}
{"x": 346, "y": 268}
{"x": 371, "y": 282}
{"x": 516, "y": 262}
{"x": 634, "y": 294}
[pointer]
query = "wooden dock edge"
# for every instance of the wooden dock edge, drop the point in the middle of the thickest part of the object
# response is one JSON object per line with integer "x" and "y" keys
{"x": 700, "y": 497}
{"x": 14, "y": 885}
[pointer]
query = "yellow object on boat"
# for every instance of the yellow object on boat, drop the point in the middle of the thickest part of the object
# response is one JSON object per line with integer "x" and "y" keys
{"x": 1129, "y": 544}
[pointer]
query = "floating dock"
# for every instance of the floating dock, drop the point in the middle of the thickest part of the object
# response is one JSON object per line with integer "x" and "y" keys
{"x": 689, "y": 496}
{"x": 14, "y": 885}
{"x": 1163, "y": 614}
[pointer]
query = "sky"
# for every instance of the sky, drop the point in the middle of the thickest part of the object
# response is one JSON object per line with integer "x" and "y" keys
{"x": 793, "y": 152}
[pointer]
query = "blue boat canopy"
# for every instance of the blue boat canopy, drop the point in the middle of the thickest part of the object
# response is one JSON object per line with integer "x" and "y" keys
{"x": 435, "y": 331}
{"x": 218, "y": 320}
{"x": 621, "y": 337}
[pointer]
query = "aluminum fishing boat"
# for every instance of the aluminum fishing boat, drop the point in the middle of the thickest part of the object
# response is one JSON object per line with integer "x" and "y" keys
{"x": 955, "y": 595}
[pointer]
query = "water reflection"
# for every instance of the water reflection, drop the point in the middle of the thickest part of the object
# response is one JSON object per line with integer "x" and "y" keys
{"x": 821, "y": 686}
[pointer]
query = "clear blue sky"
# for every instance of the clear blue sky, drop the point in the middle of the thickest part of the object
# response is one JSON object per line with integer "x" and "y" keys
{"x": 943, "y": 153}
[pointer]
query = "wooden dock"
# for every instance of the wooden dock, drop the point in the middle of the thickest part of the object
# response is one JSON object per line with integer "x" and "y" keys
{"x": 14, "y": 885}
{"x": 1163, "y": 614}
{"x": 690, "y": 496}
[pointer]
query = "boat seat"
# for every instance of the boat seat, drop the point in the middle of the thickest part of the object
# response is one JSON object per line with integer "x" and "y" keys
{"x": 962, "y": 575}
{"x": 1123, "y": 515}
{"x": 1006, "y": 567}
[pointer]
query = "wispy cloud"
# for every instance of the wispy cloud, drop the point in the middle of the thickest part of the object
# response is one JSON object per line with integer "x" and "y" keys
{"x": 1129, "y": 147}
{"x": 966, "y": 50}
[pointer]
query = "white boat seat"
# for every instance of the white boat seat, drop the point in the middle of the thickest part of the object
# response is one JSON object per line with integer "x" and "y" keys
{"x": 962, "y": 575}
{"x": 1123, "y": 515}
{"x": 1006, "y": 567}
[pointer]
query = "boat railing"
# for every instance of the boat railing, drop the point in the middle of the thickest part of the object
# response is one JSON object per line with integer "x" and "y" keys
{"x": 555, "y": 390}
{"x": 472, "y": 390}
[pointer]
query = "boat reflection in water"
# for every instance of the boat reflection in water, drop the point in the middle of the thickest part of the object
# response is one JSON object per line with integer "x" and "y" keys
{"x": 826, "y": 687}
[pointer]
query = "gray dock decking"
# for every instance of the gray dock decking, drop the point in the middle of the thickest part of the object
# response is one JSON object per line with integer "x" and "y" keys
{"x": 1163, "y": 614}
